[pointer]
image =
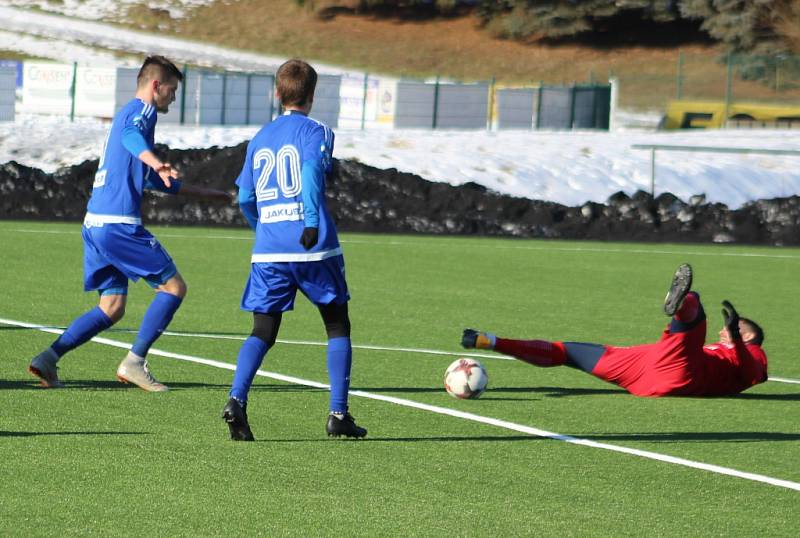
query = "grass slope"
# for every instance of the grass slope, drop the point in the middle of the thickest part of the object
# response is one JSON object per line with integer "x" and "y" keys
{"x": 458, "y": 48}
{"x": 99, "y": 457}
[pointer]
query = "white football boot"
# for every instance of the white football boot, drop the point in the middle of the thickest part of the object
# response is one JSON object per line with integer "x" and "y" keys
{"x": 44, "y": 367}
{"x": 134, "y": 369}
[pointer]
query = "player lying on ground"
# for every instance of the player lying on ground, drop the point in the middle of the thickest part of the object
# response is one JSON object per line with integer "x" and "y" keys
{"x": 282, "y": 194}
{"x": 116, "y": 247}
{"x": 679, "y": 364}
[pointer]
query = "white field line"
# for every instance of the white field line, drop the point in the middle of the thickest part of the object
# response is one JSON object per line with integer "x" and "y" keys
{"x": 354, "y": 346}
{"x": 453, "y": 413}
{"x": 422, "y": 351}
{"x": 785, "y": 380}
{"x": 498, "y": 247}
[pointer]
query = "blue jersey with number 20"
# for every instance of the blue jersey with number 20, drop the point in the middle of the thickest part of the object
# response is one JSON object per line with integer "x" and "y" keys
{"x": 284, "y": 177}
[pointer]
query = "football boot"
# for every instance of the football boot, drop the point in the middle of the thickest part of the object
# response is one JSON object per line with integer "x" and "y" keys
{"x": 235, "y": 414}
{"x": 336, "y": 427}
{"x": 133, "y": 369}
{"x": 44, "y": 367}
{"x": 681, "y": 284}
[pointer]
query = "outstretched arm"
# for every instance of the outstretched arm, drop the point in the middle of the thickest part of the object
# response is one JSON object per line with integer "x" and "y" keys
{"x": 750, "y": 370}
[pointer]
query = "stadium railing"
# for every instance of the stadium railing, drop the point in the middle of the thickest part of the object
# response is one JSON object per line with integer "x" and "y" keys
{"x": 653, "y": 148}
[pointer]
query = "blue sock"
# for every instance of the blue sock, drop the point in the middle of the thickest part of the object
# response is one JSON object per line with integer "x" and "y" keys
{"x": 156, "y": 319}
{"x": 82, "y": 330}
{"x": 340, "y": 358}
{"x": 249, "y": 360}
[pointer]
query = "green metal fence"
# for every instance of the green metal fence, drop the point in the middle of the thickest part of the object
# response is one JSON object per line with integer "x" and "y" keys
{"x": 703, "y": 75}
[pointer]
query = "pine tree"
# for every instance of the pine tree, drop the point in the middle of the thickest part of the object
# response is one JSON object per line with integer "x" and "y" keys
{"x": 532, "y": 19}
{"x": 743, "y": 25}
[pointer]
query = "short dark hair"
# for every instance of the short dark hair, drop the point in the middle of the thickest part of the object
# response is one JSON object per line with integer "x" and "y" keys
{"x": 756, "y": 328}
{"x": 158, "y": 68}
{"x": 295, "y": 83}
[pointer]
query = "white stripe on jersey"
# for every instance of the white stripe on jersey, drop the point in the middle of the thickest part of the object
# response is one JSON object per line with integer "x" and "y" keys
{"x": 294, "y": 257}
{"x": 147, "y": 112}
{"x": 97, "y": 221}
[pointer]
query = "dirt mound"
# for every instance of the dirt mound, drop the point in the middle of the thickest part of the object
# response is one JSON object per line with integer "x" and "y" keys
{"x": 366, "y": 199}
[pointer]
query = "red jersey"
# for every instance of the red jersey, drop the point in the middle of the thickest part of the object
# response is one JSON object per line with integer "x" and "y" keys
{"x": 680, "y": 365}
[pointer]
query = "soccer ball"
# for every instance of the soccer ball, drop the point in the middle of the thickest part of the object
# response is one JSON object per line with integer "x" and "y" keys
{"x": 465, "y": 378}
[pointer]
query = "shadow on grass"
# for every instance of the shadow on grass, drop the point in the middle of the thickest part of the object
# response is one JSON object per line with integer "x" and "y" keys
{"x": 31, "y": 434}
{"x": 15, "y": 328}
{"x": 94, "y": 384}
{"x": 700, "y": 437}
{"x": 123, "y": 330}
{"x": 779, "y": 397}
{"x": 561, "y": 392}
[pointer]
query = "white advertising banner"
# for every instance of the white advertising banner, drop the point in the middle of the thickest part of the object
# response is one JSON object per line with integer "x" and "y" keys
{"x": 366, "y": 105}
{"x": 95, "y": 91}
{"x": 47, "y": 88}
{"x": 385, "y": 103}
{"x": 351, "y": 100}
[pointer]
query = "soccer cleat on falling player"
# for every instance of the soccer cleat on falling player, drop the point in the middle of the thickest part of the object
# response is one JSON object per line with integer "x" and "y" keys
{"x": 472, "y": 339}
{"x": 235, "y": 414}
{"x": 133, "y": 369}
{"x": 346, "y": 425}
{"x": 681, "y": 284}
{"x": 44, "y": 367}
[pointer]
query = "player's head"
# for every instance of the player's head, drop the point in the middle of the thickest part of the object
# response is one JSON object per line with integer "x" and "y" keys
{"x": 159, "y": 79}
{"x": 295, "y": 83}
{"x": 751, "y": 332}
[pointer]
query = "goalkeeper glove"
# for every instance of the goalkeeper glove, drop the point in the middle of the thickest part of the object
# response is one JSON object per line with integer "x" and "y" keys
{"x": 731, "y": 319}
{"x": 309, "y": 238}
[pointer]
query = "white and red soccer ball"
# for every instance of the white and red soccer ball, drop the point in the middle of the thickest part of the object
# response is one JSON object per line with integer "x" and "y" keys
{"x": 465, "y": 378}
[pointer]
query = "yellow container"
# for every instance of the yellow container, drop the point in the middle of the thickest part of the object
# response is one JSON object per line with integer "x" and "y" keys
{"x": 712, "y": 114}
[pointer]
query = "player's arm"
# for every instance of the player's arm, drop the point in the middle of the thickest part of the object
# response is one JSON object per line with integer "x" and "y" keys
{"x": 133, "y": 140}
{"x": 313, "y": 172}
{"x": 312, "y": 194}
{"x": 247, "y": 204}
{"x": 750, "y": 370}
{"x": 247, "y": 194}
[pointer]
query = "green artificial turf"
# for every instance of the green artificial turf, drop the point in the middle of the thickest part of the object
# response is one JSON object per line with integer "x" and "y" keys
{"x": 102, "y": 458}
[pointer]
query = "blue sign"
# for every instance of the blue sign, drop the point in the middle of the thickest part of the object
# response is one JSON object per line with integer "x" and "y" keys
{"x": 18, "y": 65}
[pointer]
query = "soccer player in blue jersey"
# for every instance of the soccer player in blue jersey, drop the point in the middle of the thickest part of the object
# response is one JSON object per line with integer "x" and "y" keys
{"x": 282, "y": 195}
{"x": 117, "y": 248}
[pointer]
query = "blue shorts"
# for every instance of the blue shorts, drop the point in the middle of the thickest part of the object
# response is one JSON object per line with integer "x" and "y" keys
{"x": 116, "y": 253}
{"x": 273, "y": 286}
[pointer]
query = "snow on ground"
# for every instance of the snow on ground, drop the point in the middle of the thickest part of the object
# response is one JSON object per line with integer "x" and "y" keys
{"x": 60, "y": 50}
{"x": 566, "y": 167}
{"x": 103, "y": 9}
{"x": 58, "y": 31}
